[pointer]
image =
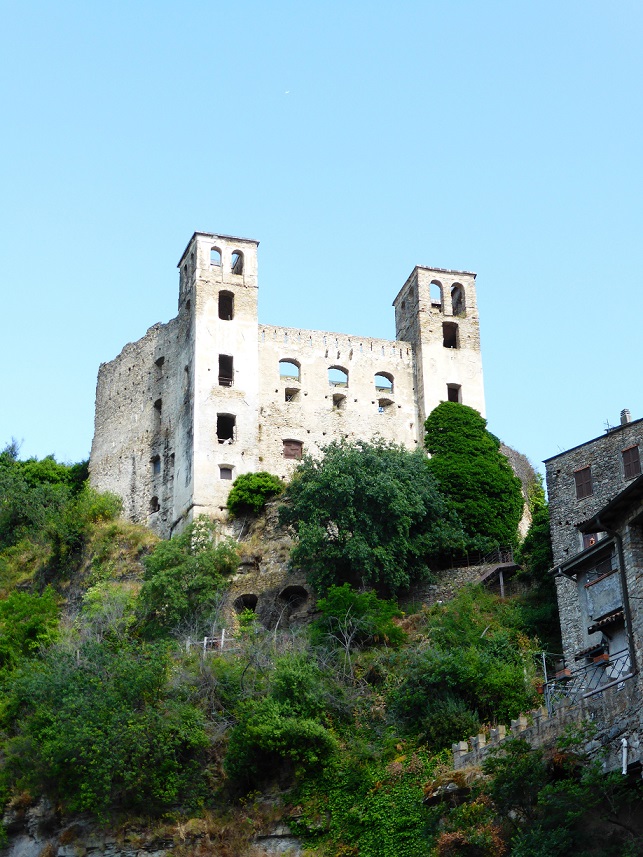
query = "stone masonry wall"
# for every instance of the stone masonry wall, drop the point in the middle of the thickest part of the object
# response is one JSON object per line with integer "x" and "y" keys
{"x": 318, "y": 410}
{"x": 604, "y": 456}
{"x": 614, "y": 714}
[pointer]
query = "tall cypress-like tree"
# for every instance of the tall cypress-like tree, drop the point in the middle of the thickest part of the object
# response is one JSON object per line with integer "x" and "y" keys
{"x": 474, "y": 475}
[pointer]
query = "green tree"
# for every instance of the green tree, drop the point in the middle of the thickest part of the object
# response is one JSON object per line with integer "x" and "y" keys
{"x": 535, "y": 555}
{"x": 251, "y": 492}
{"x": 474, "y": 475}
{"x": 184, "y": 577}
{"x": 368, "y": 514}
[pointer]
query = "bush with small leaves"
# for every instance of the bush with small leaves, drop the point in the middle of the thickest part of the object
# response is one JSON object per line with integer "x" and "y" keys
{"x": 251, "y": 491}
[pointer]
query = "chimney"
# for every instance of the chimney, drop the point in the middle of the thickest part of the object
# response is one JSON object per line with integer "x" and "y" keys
{"x": 626, "y": 417}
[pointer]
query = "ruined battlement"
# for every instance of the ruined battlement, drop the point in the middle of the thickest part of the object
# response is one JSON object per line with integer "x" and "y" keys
{"x": 213, "y": 393}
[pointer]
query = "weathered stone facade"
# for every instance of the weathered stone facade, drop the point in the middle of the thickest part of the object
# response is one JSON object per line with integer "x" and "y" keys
{"x": 596, "y": 510}
{"x": 580, "y": 483}
{"x": 213, "y": 394}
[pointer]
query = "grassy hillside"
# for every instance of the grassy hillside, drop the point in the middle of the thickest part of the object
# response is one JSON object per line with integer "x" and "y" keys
{"x": 341, "y": 729}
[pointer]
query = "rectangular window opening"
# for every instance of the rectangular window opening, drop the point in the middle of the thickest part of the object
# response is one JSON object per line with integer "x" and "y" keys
{"x": 226, "y": 428}
{"x": 291, "y": 394}
{"x": 454, "y": 393}
{"x": 449, "y": 334}
{"x": 226, "y": 370}
{"x": 631, "y": 462}
{"x": 293, "y": 448}
{"x": 583, "y": 479}
{"x": 225, "y": 472}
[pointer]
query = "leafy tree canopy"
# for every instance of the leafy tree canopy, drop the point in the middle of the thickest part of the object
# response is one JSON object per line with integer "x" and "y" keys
{"x": 368, "y": 514}
{"x": 474, "y": 475}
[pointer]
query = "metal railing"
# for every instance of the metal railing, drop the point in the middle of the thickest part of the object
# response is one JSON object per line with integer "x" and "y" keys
{"x": 210, "y": 644}
{"x": 570, "y": 686}
{"x": 467, "y": 559}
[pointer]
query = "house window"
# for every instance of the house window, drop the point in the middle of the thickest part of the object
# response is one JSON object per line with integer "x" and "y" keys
{"x": 226, "y": 306}
{"x": 339, "y": 401}
{"x": 293, "y": 449}
{"x": 226, "y": 428}
{"x": 631, "y": 462}
{"x": 215, "y": 257}
{"x": 226, "y": 371}
{"x": 156, "y": 465}
{"x": 583, "y": 479}
{"x": 154, "y": 505}
{"x": 454, "y": 393}
{"x": 589, "y": 540}
{"x": 225, "y": 472}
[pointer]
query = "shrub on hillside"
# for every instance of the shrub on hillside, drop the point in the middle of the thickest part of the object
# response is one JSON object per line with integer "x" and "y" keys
{"x": 96, "y": 728}
{"x": 184, "y": 577}
{"x": 251, "y": 491}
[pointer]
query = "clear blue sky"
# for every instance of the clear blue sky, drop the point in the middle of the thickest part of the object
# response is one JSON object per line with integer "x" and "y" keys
{"x": 354, "y": 140}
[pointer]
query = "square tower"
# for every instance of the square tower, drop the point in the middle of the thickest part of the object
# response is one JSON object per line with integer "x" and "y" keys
{"x": 436, "y": 311}
{"x": 219, "y": 295}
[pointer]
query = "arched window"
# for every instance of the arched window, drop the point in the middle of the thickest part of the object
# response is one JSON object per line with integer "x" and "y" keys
{"x": 435, "y": 290}
{"x": 383, "y": 405}
{"x": 457, "y": 299}
{"x": 226, "y": 306}
{"x": 155, "y": 506}
{"x": 337, "y": 376}
{"x": 290, "y": 369}
{"x": 215, "y": 257}
{"x": 237, "y": 262}
{"x": 246, "y": 602}
{"x": 384, "y": 383}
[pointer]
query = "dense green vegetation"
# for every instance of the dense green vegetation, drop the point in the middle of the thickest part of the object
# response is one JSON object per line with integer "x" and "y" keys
{"x": 474, "y": 476}
{"x": 104, "y": 709}
{"x": 183, "y": 580}
{"x": 251, "y": 491}
{"x": 370, "y": 515}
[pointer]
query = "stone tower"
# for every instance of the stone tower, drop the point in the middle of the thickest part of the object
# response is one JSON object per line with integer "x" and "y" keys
{"x": 220, "y": 288}
{"x": 436, "y": 311}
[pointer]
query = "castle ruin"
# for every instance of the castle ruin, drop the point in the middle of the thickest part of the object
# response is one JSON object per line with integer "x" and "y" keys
{"x": 213, "y": 393}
